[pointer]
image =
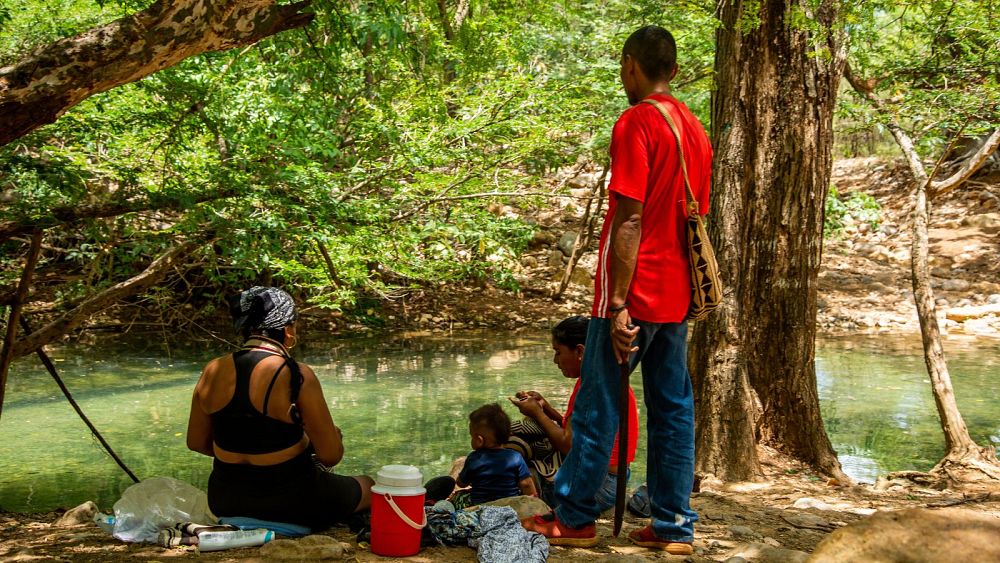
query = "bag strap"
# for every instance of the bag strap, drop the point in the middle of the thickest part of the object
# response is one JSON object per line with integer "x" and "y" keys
{"x": 692, "y": 202}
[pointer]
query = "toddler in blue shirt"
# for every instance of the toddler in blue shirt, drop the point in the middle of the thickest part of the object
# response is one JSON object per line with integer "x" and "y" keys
{"x": 493, "y": 471}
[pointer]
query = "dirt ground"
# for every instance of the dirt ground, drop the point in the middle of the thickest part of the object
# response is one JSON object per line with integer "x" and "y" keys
{"x": 864, "y": 286}
{"x": 791, "y": 510}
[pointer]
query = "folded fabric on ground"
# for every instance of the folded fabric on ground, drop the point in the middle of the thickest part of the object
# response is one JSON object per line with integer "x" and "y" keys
{"x": 493, "y": 531}
{"x": 502, "y": 539}
{"x": 283, "y": 528}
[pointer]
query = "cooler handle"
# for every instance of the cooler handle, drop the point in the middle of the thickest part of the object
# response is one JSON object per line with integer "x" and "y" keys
{"x": 402, "y": 515}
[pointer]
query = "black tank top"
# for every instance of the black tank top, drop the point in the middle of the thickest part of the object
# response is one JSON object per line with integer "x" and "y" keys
{"x": 239, "y": 427}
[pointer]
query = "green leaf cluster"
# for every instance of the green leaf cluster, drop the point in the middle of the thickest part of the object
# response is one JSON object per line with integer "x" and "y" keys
{"x": 935, "y": 64}
{"x": 856, "y": 207}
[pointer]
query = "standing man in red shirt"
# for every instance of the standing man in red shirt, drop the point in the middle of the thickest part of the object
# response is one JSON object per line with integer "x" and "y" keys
{"x": 641, "y": 298}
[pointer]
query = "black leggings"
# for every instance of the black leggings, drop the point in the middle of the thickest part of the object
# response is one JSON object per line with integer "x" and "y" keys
{"x": 295, "y": 492}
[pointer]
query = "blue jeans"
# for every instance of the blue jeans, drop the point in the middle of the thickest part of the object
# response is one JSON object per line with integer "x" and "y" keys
{"x": 604, "y": 499}
{"x": 669, "y": 428}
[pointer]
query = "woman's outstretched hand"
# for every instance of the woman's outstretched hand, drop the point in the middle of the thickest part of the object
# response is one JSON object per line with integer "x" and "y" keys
{"x": 529, "y": 405}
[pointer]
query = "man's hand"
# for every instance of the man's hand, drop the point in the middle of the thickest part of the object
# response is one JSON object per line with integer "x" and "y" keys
{"x": 622, "y": 335}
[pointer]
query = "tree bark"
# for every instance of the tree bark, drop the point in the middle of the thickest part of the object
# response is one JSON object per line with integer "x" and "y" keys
{"x": 772, "y": 116}
{"x": 40, "y": 87}
{"x": 962, "y": 454}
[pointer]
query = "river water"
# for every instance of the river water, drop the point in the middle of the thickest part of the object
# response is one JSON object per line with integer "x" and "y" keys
{"x": 404, "y": 398}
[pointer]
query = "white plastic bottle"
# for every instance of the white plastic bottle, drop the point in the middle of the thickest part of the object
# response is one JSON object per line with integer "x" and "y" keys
{"x": 105, "y": 522}
{"x": 216, "y": 541}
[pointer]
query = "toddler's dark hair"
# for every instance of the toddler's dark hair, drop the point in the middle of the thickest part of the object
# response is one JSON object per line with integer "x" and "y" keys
{"x": 571, "y": 331}
{"x": 491, "y": 417}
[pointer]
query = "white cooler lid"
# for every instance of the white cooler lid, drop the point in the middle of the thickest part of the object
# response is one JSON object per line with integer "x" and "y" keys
{"x": 399, "y": 476}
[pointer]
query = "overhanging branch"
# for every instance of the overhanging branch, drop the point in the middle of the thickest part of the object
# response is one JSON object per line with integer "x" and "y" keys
{"x": 972, "y": 164}
{"x": 40, "y": 87}
{"x": 74, "y": 213}
{"x": 74, "y": 318}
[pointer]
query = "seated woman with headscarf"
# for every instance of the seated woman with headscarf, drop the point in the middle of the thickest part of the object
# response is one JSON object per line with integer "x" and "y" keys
{"x": 262, "y": 416}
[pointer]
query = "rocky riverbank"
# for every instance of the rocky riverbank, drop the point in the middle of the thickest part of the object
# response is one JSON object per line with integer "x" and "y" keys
{"x": 864, "y": 282}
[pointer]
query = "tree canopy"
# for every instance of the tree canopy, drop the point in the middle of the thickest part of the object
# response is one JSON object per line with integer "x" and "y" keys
{"x": 350, "y": 158}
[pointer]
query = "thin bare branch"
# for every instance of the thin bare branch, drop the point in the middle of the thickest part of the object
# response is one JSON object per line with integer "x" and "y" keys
{"x": 74, "y": 318}
{"x": 8, "y": 351}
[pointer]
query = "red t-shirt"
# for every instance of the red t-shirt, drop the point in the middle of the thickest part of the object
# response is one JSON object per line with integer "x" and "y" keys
{"x": 645, "y": 167}
{"x": 633, "y": 424}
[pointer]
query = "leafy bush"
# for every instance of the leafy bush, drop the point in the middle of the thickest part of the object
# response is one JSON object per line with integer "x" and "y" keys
{"x": 856, "y": 207}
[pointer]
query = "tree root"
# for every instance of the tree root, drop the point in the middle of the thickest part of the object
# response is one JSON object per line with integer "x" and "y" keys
{"x": 975, "y": 465}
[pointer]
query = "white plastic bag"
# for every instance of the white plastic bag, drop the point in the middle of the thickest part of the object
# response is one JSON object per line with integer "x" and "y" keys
{"x": 156, "y": 503}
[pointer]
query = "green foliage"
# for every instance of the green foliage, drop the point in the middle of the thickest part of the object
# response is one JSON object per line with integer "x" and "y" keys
{"x": 856, "y": 207}
{"x": 368, "y": 135}
{"x": 934, "y": 65}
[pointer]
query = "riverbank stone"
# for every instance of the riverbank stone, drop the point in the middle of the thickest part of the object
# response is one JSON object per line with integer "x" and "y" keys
{"x": 83, "y": 514}
{"x": 917, "y": 534}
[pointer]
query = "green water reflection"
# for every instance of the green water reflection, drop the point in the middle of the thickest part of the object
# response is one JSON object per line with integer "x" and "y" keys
{"x": 405, "y": 398}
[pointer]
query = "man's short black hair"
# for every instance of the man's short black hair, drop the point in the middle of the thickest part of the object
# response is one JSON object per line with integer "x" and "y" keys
{"x": 654, "y": 49}
{"x": 491, "y": 417}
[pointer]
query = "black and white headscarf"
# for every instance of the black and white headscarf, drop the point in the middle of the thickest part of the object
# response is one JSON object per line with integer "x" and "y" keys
{"x": 262, "y": 308}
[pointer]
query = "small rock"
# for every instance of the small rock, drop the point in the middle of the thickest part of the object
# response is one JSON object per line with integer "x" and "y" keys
{"x": 985, "y": 221}
{"x": 566, "y": 243}
{"x": 83, "y": 514}
{"x": 309, "y": 548}
{"x": 541, "y": 239}
{"x": 993, "y": 299}
{"x": 761, "y": 552}
{"x": 864, "y": 248}
{"x": 807, "y": 521}
{"x": 954, "y": 284}
{"x": 743, "y": 532}
{"x": 772, "y": 542}
{"x": 736, "y": 559}
{"x": 807, "y": 502}
{"x": 888, "y": 229}
{"x": 555, "y": 258}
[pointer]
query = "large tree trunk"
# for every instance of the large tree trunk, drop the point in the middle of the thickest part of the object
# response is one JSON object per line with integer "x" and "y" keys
{"x": 40, "y": 87}
{"x": 772, "y": 116}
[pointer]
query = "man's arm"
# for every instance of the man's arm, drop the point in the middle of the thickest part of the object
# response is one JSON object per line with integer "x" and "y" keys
{"x": 626, "y": 229}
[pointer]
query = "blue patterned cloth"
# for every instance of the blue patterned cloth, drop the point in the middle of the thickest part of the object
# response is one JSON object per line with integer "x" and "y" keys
{"x": 493, "y": 531}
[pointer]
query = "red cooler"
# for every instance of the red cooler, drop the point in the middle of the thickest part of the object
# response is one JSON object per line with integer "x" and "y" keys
{"x": 397, "y": 511}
